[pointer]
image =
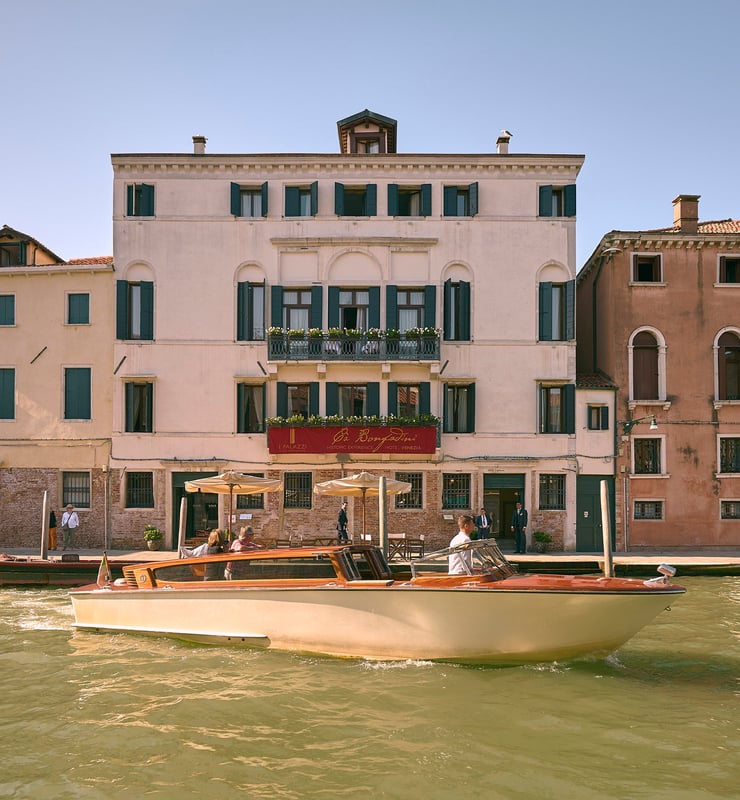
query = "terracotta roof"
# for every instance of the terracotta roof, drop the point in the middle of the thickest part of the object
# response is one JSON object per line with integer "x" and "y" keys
{"x": 716, "y": 226}
{"x": 594, "y": 380}
{"x": 91, "y": 260}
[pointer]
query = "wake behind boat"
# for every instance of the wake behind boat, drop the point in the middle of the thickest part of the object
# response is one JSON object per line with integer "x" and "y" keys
{"x": 344, "y": 601}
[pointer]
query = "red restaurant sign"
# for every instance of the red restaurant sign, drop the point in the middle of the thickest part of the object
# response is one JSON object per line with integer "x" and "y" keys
{"x": 353, "y": 439}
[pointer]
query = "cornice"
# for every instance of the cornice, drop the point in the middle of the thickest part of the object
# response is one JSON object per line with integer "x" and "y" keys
{"x": 404, "y": 242}
{"x": 646, "y": 240}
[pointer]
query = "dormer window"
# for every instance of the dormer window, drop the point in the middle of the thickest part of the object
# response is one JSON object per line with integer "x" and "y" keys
{"x": 367, "y": 133}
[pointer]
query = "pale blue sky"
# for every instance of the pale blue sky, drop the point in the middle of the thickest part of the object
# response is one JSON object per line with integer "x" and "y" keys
{"x": 647, "y": 90}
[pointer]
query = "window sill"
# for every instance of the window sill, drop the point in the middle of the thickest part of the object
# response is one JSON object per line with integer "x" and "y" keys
{"x": 721, "y": 403}
{"x": 647, "y": 283}
{"x": 641, "y": 476}
{"x": 727, "y": 474}
{"x": 726, "y": 285}
{"x": 664, "y": 404}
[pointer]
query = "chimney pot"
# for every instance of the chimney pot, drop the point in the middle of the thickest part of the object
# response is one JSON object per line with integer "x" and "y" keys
{"x": 199, "y": 145}
{"x": 686, "y": 213}
{"x": 502, "y": 143}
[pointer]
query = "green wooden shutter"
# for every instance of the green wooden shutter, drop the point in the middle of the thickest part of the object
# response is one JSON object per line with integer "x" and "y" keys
{"x": 333, "y": 310}
{"x": 316, "y": 314}
{"x": 240, "y": 422}
{"x": 130, "y": 190}
{"x": 147, "y": 200}
{"x": 122, "y": 329}
{"x": 339, "y": 199}
{"x": 430, "y": 306}
{"x": 77, "y": 393}
{"x": 149, "y": 408}
{"x": 605, "y": 418}
{"x": 373, "y": 313}
{"x": 129, "y": 393}
{"x": 332, "y": 398}
{"x": 447, "y": 318}
{"x": 546, "y": 311}
{"x": 471, "y": 408}
{"x": 473, "y": 198}
{"x": 463, "y": 312}
{"x": 7, "y": 393}
{"x": 392, "y": 398}
{"x": 569, "y": 200}
{"x": 147, "y": 310}
{"x": 236, "y": 199}
{"x": 282, "y": 399}
{"x": 314, "y": 198}
{"x": 570, "y": 310}
{"x": 313, "y": 398}
{"x": 392, "y": 199}
{"x": 391, "y": 307}
{"x": 569, "y": 396}
{"x": 264, "y": 198}
{"x": 426, "y": 199}
{"x": 276, "y": 306}
{"x": 445, "y": 405}
{"x": 449, "y": 205}
{"x": 373, "y": 399}
{"x": 545, "y": 201}
{"x": 7, "y": 310}
{"x": 425, "y": 398}
{"x": 292, "y": 201}
{"x": 371, "y": 200}
{"x": 242, "y": 306}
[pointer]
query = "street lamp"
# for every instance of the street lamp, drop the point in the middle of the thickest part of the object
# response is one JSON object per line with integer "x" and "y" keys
{"x": 630, "y": 423}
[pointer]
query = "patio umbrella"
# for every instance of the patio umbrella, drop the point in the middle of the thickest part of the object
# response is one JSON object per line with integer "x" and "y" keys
{"x": 231, "y": 483}
{"x": 361, "y": 485}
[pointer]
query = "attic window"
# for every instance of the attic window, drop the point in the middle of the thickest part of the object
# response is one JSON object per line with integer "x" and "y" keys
{"x": 371, "y": 142}
{"x": 12, "y": 254}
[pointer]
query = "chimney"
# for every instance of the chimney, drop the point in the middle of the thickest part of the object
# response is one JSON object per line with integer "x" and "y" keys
{"x": 502, "y": 143}
{"x": 686, "y": 213}
{"x": 199, "y": 145}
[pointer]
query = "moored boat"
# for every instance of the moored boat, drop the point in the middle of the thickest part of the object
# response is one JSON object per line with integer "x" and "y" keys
{"x": 344, "y": 601}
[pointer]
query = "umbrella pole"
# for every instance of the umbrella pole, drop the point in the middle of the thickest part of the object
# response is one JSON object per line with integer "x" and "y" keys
{"x": 364, "y": 508}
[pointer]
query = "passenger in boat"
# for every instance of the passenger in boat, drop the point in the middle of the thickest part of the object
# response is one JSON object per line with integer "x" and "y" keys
{"x": 462, "y": 563}
{"x": 213, "y": 545}
{"x": 245, "y": 541}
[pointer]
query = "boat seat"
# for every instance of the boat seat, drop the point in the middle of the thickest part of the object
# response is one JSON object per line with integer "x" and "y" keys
{"x": 70, "y": 557}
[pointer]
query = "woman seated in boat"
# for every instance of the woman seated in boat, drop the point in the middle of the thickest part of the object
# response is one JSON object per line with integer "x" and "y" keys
{"x": 213, "y": 545}
{"x": 245, "y": 540}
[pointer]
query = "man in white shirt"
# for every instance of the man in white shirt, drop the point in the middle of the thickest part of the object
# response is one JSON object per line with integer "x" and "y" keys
{"x": 462, "y": 563}
{"x": 70, "y": 523}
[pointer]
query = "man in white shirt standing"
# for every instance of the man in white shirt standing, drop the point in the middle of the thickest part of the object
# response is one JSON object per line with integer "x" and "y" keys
{"x": 462, "y": 563}
{"x": 70, "y": 523}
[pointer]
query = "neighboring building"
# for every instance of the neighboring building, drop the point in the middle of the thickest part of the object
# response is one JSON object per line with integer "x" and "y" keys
{"x": 56, "y": 350}
{"x": 252, "y": 287}
{"x": 659, "y": 313}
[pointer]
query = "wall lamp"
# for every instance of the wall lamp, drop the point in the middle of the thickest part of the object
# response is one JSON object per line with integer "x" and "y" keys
{"x": 630, "y": 423}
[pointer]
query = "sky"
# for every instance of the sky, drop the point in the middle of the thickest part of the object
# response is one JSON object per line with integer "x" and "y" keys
{"x": 646, "y": 90}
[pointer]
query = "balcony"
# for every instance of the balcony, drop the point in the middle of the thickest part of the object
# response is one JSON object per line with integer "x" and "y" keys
{"x": 420, "y": 344}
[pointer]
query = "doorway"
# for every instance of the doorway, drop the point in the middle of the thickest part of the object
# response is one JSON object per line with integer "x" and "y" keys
{"x": 202, "y": 508}
{"x": 501, "y": 493}
{"x": 589, "y": 528}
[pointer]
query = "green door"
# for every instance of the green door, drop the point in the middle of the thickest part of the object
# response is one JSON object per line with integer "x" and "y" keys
{"x": 589, "y": 536}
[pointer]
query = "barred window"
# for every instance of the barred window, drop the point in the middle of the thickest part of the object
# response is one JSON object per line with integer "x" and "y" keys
{"x": 730, "y": 509}
{"x": 76, "y": 489}
{"x": 297, "y": 490}
{"x": 456, "y": 490}
{"x": 729, "y": 454}
{"x": 648, "y": 509}
{"x": 647, "y": 456}
{"x": 412, "y": 499}
{"x": 251, "y": 500}
{"x": 552, "y": 491}
{"x": 139, "y": 490}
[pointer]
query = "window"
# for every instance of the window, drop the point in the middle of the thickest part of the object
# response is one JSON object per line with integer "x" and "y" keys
{"x": 648, "y": 509}
{"x": 729, "y": 509}
{"x": 647, "y": 456}
{"x": 457, "y": 311}
{"x": 372, "y": 142}
{"x": 353, "y": 400}
{"x": 297, "y": 490}
{"x": 729, "y": 454}
{"x": 409, "y": 201}
{"x": 296, "y": 309}
{"x": 728, "y": 366}
{"x": 552, "y": 492}
{"x": 139, "y": 200}
{"x": 729, "y": 269}
{"x": 459, "y": 408}
{"x": 557, "y": 311}
{"x": 78, "y": 309}
{"x": 598, "y": 418}
{"x": 7, "y": 309}
{"x": 139, "y": 407}
{"x": 295, "y": 399}
{"x": 135, "y": 310}
{"x": 355, "y": 201}
{"x": 250, "y": 408}
{"x": 456, "y": 490}
{"x": 139, "y": 490}
{"x": 7, "y": 393}
{"x": 557, "y": 201}
{"x": 250, "y": 312}
{"x": 76, "y": 489}
{"x": 413, "y": 498}
{"x": 12, "y": 254}
{"x": 408, "y": 308}
{"x": 460, "y": 201}
{"x": 408, "y": 400}
{"x": 246, "y": 501}
{"x": 77, "y": 388}
{"x": 557, "y": 409}
{"x": 646, "y": 268}
{"x": 249, "y": 201}
{"x": 645, "y": 367}
{"x": 354, "y": 308}
{"x": 302, "y": 201}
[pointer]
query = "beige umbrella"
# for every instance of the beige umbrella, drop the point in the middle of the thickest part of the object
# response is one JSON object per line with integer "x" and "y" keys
{"x": 231, "y": 483}
{"x": 361, "y": 485}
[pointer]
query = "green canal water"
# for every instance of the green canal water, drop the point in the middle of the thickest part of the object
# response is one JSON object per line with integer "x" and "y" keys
{"x": 107, "y": 716}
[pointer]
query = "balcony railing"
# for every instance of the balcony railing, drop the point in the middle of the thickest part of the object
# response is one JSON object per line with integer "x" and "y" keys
{"x": 286, "y": 346}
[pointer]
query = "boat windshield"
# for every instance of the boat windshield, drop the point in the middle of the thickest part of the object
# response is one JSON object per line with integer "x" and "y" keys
{"x": 483, "y": 558}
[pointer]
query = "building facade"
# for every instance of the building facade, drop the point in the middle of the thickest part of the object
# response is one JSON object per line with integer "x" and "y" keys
{"x": 659, "y": 315}
{"x": 305, "y": 316}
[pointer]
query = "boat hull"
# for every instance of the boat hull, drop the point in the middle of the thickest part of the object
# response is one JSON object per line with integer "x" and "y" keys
{"x": 489, "y": 624}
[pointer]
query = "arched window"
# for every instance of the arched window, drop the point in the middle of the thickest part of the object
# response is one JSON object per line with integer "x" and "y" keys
{"x": 645, "y": 367}
{"x": 728, "y": 366}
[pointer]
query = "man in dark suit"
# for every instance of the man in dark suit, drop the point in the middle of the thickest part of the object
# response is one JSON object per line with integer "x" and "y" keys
{"x": 519, "y": 528}
{"x": 483, "y": 523}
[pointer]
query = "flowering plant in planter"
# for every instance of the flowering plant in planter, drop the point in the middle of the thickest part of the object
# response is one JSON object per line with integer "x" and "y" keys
{"x": 152, "y": 534}
{"x": 297, "y": 333}
{"x": 275, "y": 330}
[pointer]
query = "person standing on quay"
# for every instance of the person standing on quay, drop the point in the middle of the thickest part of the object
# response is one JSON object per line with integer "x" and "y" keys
{"x": 519, "y": 528}
{"x": 70, "y": 523}
{"x": 52, "y": 530}
{"x": 483, "y": 523}
{"x": 342, "y": 521}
